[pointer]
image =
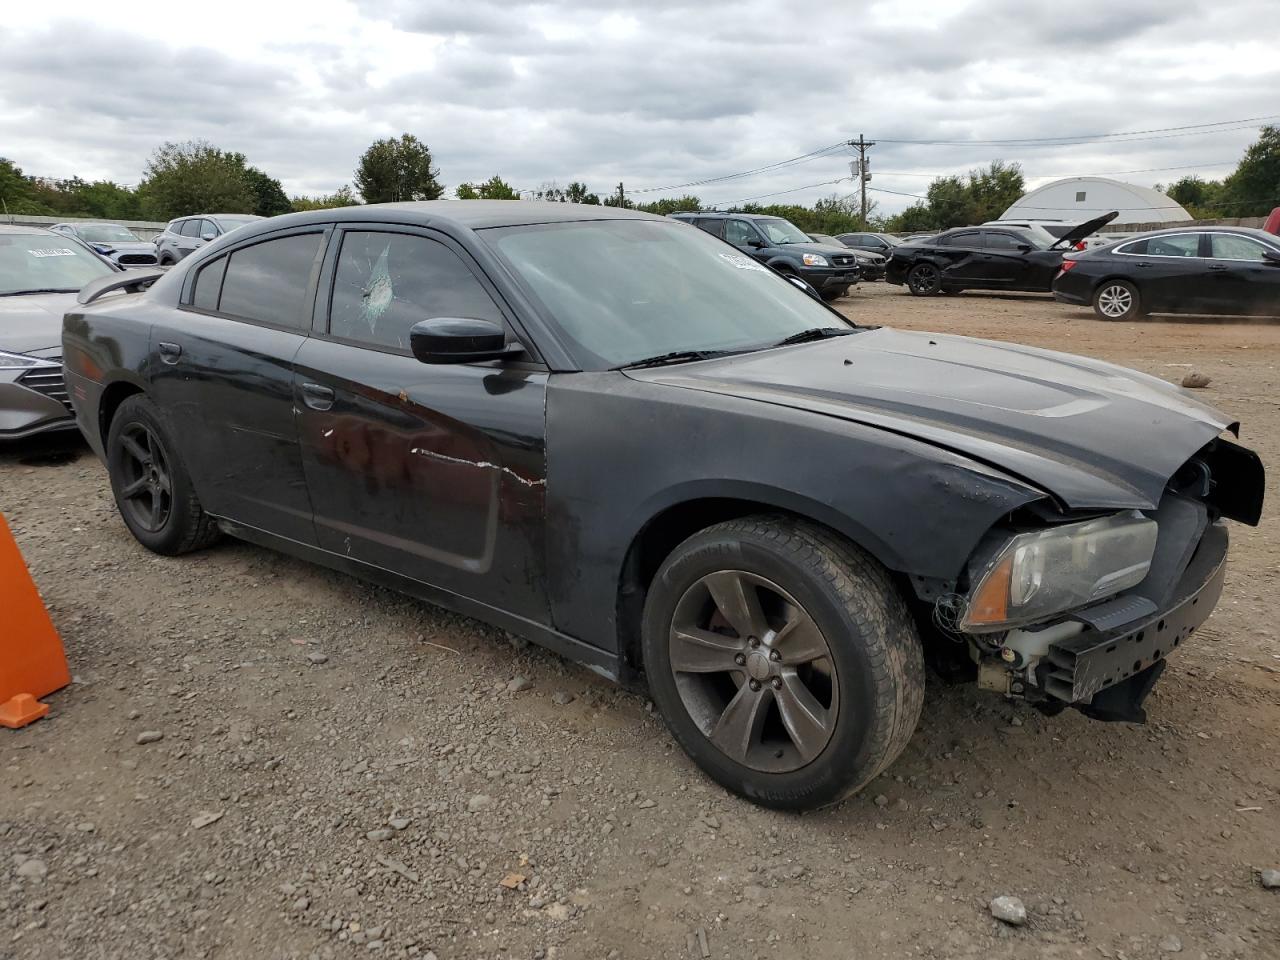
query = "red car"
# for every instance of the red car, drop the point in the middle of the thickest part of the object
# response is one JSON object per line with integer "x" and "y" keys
{"x": 1273, "y": 222}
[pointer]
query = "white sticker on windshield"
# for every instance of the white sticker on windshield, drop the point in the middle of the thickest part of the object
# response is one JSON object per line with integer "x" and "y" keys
{"x": 742, "y": 263}
{"x": 52, "y": 252}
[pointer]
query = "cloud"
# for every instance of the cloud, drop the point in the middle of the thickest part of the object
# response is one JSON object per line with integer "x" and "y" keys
{"x": 652, "y": 94}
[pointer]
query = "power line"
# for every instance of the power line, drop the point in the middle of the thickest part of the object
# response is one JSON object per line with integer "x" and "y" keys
{"x": 1064, "y": 176}
{"x": 776, "y": 193}
{"x": 803, "y": 158}
{"x": 1193, "y": 128}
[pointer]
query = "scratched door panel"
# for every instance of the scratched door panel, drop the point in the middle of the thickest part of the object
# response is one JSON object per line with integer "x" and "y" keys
{"x": 435, "y": 472}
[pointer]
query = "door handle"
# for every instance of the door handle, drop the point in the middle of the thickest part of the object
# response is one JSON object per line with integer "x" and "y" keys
{"x": 169, "y": 352}
{"x": 1217, "y": 267}
{"x": 316, "y": 396}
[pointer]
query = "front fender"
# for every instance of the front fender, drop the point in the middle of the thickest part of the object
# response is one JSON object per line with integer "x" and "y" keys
{"x": 918, "y": 509}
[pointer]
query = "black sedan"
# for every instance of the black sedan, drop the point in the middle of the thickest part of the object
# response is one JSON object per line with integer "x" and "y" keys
{"x": 1212, "y": 270}
{"x": 984, "y": 258}
{"x": 621, "y": 438}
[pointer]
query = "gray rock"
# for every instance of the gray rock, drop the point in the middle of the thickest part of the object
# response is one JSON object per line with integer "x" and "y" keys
{"x": 301, "y": 904}
{"x": 399, "y": 823}
{"x": 1010, "y": 910}
{"x": 149, "y": 736}
{"x": 1170, "y": 944}
{"x": 1195, "y": 380}
{"x": 562, "y": 698}
{"x": 479, "y": 802}
{"x": 32, "y": 869}
{"x": 519, "y": 685}
{"x": 317, "y": 657}
{"x": 881, "y": 800}
{"x": 382, "y": 833}
{"x": 1271, "y": 879}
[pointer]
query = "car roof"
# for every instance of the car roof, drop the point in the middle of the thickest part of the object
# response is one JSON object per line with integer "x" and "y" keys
{"x": 711, "y": 214}
{"x": 13, "y": 230}
{"x": 469, "y": 214}
{"x": 1209, "y": 228}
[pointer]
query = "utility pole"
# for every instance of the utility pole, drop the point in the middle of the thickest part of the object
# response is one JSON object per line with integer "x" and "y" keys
{"x": 622, "y": 197}
{"x": 863, "y": 172}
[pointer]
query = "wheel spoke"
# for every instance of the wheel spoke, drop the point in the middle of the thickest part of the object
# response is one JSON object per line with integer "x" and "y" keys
{"x": 808, "y": 723}
{"x": 739, "y": 726}
{"x": 800, "y": 641}
{"x": 131, "y": 490}
{"x": 694, "y": 650}
{"x": 739, "y": 603}
{"x": 135, "y": 449}
{"x": 162, "y": 477}
{"x": 157, "y": 509}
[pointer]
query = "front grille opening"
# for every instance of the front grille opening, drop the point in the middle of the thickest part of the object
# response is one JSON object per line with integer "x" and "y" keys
{"x": 47, "y": 381}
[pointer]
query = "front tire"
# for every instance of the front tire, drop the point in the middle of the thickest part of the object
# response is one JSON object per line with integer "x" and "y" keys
{"x": 925, "y": 280}
{"x": 152, "y": 489}
{"x": 1117, "y": 300}
{"x": 783, "y": 661}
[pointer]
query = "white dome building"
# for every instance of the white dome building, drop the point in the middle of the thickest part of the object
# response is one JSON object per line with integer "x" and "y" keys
{"x": 1077, "y": 199}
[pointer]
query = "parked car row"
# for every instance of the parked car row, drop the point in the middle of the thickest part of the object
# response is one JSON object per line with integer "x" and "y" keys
{"x": 570, "y": 466}
{"x": 40, "y": 273}
{"x": 1217, "y": 270}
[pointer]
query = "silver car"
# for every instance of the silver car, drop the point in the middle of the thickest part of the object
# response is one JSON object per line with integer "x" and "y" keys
{"x": 117, "y": 243}
{"x": 185, "y": 235}
{"x": 40, "y": 273}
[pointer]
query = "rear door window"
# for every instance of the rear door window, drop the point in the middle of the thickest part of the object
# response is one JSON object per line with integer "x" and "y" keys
{"x": 966, "y": 238}
{"x": 268, "y": 282}
{"x": 712, "y": 225}
{"x": 1175, "y": 245}
{"x": 994, "y": 240}
{"x": 386, "y": 282}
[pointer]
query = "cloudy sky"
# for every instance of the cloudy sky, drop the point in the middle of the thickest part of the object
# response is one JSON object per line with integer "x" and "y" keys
{"x": 654, "y": 93}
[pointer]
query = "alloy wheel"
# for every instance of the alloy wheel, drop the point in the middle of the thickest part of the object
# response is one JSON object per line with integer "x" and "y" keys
{"x": 1115, "y": 301}
{"x": 754, "y": 671}
{"x": 146, "y": 488}
{"x": 925, "y": 279}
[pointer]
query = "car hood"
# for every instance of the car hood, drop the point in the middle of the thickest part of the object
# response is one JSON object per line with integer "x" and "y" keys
{"x": 33, "y": 322}
{"x": 127, "y": 246}
{"x": 1082, "y": 230}
{"x": 825, "y": 249}
{"x": 1092, "y": 434}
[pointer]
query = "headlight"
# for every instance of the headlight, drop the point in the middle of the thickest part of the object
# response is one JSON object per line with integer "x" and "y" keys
{"x": 16, "y": 361}
{"x": 1036, "y": 575}
{"x": 813, "y": 260}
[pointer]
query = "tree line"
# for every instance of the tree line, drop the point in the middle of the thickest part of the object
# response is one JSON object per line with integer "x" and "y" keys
{"x": 196, "y": 176}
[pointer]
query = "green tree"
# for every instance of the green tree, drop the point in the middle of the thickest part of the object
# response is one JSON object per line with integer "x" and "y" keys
{"x": 495, "y": 188}
{"x": 108, "y": 201}
{"x": 397, "y": 169}
{"x": 342, "y": 197}
{"x": 269, "y": 198}
{"x": 1253, "y": 190}
{"x": 1201, "y": 198}
{"x": 577, "y": 192}
{"x": 957, "y": 201}
{"x": 17, "y": 195}
{"x": 668, "y": 205}
{"x": 194, "y": 177}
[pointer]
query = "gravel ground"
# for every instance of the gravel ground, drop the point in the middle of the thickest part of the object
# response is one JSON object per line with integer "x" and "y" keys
{"x": 262, "y": 759}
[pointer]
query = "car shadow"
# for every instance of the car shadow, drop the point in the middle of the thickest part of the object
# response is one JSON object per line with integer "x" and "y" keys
{"x": 45, "y": 450}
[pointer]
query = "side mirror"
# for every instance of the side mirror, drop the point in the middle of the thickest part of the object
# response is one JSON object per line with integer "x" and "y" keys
{"x": 208, "y": 234}
{"x": 1025, "y": 248}
{"x": 1272, "y": 257}
{"x": 460, "y": 340}
{"x": 756, "y": 242}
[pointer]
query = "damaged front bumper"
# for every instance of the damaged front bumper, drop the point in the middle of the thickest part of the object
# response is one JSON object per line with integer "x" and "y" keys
{"x": 33, "y": 400}
{"x": 1105, "y": 660}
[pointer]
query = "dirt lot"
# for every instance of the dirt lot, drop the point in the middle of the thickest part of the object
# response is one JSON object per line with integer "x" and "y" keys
{"x": 376, "y": 767}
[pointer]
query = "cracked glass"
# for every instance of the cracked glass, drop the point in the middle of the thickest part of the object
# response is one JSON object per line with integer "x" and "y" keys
{"x": 387, "y": 282}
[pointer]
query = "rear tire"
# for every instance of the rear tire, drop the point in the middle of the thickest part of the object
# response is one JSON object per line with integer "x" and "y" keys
{"x": 924, "y": 280}
{"x": 152, "y": 488}
{"x": 1117, "y": 300}
{"x": 822, "y": 693}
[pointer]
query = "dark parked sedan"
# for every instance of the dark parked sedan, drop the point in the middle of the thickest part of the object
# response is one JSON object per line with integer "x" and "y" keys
{"x": 1214, "y": 270}
{"x": 984, "y": 258}
{"x": 618, "y": 437}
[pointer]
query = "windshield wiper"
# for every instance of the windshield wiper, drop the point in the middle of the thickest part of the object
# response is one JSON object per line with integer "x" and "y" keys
{"x": 813, "y": 333}
{"x": 675, "y": 356}
{"x": 18, "y": 293}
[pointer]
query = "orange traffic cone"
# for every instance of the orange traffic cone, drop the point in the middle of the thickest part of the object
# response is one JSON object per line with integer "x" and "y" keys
{"x": 32, "y": 663}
